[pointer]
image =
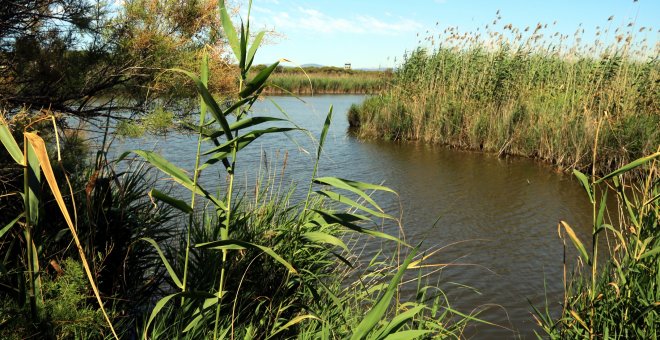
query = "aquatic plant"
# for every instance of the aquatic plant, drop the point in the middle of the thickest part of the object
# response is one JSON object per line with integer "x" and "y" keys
{"x": 272, "y": 268}
{"x": 614, "y": 292}
{"x": 525, "y": 91}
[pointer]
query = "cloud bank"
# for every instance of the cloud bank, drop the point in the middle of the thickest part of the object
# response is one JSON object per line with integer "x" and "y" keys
{"x": 312, "y": 20}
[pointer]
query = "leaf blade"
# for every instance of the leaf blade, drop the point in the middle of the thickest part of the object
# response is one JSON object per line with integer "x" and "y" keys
{"x": 222, "y": 244}
{"x": 171, "y": 201}
{"x": 166, "y": 263}
{"x": 378, "y": 311}
{"x": 629, "y": 166}
{"x": 10, "y": 143}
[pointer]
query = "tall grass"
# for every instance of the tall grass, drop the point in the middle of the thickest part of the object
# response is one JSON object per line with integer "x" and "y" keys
{"x": 272, "y": 269}
{"x": 315, "y": 82}
{"x": 614, "y": 292}
{"x": 526, "y": 91}
{"x": 26, "y": 244}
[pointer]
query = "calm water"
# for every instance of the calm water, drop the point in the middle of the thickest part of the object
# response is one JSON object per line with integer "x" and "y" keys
{"x": 497, "y": 218}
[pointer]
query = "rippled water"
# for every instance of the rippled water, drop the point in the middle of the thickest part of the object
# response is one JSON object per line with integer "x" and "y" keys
{"x": 496, "y": 217}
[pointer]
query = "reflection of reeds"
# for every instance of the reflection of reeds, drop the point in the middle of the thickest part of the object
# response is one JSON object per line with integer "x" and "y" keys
{"x": 526, "y": 92}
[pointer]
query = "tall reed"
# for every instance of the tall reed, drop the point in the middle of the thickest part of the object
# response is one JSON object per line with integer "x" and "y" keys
{"x": 295, "y": 249}
{"x": 525, "y": 91}
{"x": 315, "y": 82}
{"x": 614, "y": 292}
{"x": 36, "y": 166}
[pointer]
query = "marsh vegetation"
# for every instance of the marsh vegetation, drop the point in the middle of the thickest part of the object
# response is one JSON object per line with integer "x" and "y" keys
{"x": 528, "y": 92}
{"x": 100, "y": 247}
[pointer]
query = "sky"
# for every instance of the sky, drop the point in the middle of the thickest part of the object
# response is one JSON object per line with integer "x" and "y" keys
{"x": 377, "y": 33}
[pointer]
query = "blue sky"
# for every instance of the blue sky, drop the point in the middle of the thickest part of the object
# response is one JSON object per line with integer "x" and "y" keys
{"x": 376, "y": 33}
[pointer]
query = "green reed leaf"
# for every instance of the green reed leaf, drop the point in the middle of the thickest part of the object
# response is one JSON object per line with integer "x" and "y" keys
{"x": 585, "y": 184}
{"x": 630, "y": 166}
{"x": 355, "y": 187}
{"x": 230, "y": 31}
{"x": 210, "y": 102}
{"x": 324, "y": 133}
{"x": 163, "y": 302}
{"x": 34, "y": 183}
{"x": 650, "y": 252}
{"x": 244, "y": 140}
{"x": 292, "y": 322}
{"x": 166, "y": 263}
{"x": 378, "y": 311}
{"x": 9, "y": 225}
{"x": 175, "y": 203}
{"x": 254, "y": 47}
{"x": 321, "y": 237}
{"x": 157, "y": 308}
{"x": 351, "y": 203}
{"x": 204, "y": 78}
{"x": 408, "y": 335}
{"x": 330, "y": 218}
{"x": 246, "y": 123}
{"x": 175, "y": 173}
{"x": 399, "y": 321}
{"x": 601, "y": 209}
{"x": 10, "y": 143}
{"x": 576, "y": 241}
{"x": 243, "y": 47}
{"x": 222, "y": 244}
{"x": 255, "y": 84}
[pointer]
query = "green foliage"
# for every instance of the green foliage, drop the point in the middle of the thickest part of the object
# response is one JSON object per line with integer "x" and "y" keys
{"x": 262, "y": 266}
{"x": 66, "y": 312}
{"x": 66, "y": 306}
{"x": 516, "y": 93}
{"x": 129, "y": 129}
{"x": 615, "y": 294}
{"x": 267, "y": 267}
{"x": 74, "y": 55}
{"x": 324, "y": 80}
{"x": 157, "y": 122}
{"x": 321, "y": 83}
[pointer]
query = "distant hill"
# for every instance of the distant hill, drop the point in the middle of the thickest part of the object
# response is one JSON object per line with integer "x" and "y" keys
{"x": 311, "y": 65}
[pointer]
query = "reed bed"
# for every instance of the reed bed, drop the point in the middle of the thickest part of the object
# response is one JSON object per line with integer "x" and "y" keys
{"x": 526, "y": 91}
{"x": 613, "y": 293}
{"x": 327, "y": 84}
{"x": 327, "y": 80}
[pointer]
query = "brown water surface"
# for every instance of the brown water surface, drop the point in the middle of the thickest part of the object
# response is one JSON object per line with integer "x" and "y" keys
{"x": 497, "y": 217}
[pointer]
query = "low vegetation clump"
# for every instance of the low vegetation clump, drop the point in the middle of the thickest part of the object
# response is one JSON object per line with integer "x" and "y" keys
{"x": 526, "y": 92}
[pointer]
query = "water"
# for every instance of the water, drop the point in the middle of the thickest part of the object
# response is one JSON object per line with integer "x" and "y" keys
{"x": 497, "y": 218}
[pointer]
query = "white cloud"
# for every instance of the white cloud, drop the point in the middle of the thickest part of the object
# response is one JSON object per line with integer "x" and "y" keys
{"x": 309, "y": 19}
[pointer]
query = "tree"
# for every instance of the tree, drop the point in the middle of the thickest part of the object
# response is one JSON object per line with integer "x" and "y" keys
{"x": 74, "y": 55}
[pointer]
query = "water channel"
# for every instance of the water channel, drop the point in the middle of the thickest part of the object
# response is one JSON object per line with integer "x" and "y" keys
{"x": 496, "y": 218}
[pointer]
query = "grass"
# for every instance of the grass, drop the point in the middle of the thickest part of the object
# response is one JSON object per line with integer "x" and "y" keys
{"x": 228, "y": 266}
{"x": 327, "y": 80}
{"x": 265, "y": 266}
{"x": 527, "y": 92}
{"x": 614, "y": 292}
